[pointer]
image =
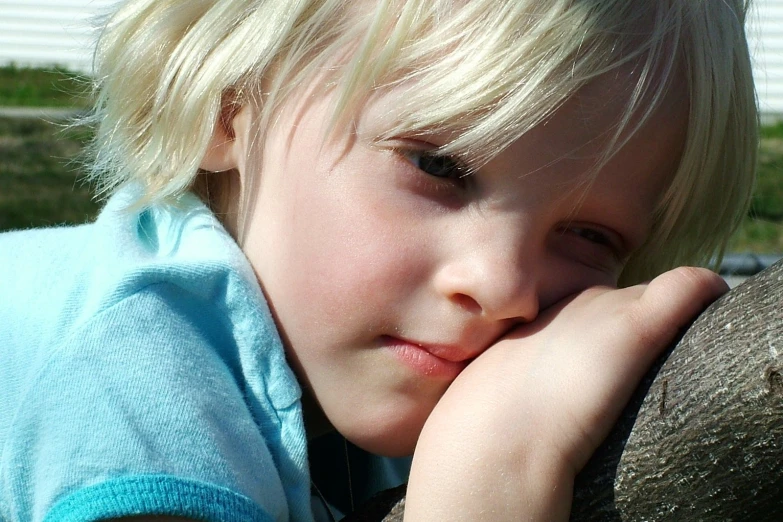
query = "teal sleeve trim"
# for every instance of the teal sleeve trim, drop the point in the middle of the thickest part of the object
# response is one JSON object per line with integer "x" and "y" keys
{"x": 156, "y": 495}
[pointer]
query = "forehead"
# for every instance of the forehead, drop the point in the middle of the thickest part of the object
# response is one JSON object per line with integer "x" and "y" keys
{"x": 610, "y": 111}
{"x": 610, "y": 108}
{"x": 588, "y": 154}
{"x": 489, "y": 71}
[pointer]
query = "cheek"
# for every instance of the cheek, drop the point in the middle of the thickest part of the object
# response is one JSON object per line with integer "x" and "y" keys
{"x": 344, "y": 251}
{"x": 566, "y": 278}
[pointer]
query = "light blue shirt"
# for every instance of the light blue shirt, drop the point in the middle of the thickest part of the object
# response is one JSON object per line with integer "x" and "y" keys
{"x": 141, "y": 372}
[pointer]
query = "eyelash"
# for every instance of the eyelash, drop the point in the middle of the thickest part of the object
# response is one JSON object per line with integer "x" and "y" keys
{"x": 592, "y": 235}
{"x": 445, "y": 167}
{"x": 596, "y": 237}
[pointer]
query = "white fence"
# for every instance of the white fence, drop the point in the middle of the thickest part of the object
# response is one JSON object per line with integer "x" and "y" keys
{"x": 49, "y": 32}
{"x": 765, "y": 31}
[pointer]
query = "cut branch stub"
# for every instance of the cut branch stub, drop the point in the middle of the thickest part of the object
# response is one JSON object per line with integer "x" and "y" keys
{"x": 702, "y": 439}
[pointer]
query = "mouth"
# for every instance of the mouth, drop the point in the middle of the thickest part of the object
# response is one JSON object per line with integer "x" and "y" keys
{"x": 435, "y": 361}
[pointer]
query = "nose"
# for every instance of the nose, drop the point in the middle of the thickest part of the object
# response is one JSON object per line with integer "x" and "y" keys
{"x": 496, "y": 283}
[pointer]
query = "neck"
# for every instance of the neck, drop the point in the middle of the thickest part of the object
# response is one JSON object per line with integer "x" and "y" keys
{"x": 316, "y": 423}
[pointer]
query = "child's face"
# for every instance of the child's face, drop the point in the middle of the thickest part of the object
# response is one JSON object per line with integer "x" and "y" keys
{"x": 386, "y": 280}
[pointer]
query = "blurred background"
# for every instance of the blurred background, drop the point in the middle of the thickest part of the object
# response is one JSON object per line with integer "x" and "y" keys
{"x": 45, "y": 63}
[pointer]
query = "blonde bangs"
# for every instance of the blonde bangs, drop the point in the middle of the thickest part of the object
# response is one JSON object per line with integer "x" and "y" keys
{"x": 712, "y": 188}
{"x": 485, "y": 72}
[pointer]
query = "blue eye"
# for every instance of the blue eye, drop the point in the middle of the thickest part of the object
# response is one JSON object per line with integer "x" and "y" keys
{"x": 437, "y": 166}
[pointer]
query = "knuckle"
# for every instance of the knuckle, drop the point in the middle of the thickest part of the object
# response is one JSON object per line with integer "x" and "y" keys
{"x": 642, "y": 324}
{"x": 694, "y": 277}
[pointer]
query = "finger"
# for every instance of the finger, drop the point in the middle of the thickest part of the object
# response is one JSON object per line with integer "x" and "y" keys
{"x": 673, "y": 299}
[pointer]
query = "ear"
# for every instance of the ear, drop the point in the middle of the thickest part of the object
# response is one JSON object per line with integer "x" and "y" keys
{"x": 227, "y": 148}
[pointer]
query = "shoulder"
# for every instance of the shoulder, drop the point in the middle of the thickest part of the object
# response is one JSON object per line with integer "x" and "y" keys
{"x": 180, "y": 243}
{"x": 151, "y": 518}
{"x": 56, "y": 279}
{"x": 149, "y": 402}
{"x": 156, "y": 376}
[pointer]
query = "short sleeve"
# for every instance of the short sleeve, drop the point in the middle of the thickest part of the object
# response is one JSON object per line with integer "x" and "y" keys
{"x": 141, "y": 409}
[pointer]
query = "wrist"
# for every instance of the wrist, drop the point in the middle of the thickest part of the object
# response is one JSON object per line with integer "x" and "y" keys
{"x": 479, "y": 473}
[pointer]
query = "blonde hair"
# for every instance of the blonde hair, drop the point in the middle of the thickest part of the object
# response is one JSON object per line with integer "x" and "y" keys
{"x": 487, "y": 71}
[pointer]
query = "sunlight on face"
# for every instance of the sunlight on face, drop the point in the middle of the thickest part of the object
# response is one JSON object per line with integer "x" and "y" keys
{"x": 388, "y": 271}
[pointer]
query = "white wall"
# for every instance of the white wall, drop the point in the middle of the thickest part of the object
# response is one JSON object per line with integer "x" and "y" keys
{"x": 47, "y": 32}
{"x": 765, "y": 31}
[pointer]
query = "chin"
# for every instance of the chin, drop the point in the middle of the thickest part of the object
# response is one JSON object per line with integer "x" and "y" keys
{"x": 401, "y": 446}
{"x": 388, "y": 437}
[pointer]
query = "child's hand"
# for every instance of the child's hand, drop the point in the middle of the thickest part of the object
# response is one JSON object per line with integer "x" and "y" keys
{"x": 510, "y": 434}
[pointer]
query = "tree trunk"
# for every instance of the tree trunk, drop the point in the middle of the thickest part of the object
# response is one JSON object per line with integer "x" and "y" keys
{"x": 702, "y": 437}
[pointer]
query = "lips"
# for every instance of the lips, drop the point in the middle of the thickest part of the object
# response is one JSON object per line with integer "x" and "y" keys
{"x": 429, "y": 360}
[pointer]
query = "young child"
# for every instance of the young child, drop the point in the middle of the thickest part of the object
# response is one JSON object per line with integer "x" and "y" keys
{"x": 403, "y": 222}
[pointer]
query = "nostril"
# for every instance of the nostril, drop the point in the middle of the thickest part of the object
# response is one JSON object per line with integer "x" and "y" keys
{"x": 467, "y": 303}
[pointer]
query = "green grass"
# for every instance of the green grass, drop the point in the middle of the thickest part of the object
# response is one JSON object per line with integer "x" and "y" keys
{"x": 772, "y": 131}
{"x": 759, "y": 236}
{"x": 26, "y": 87}
{"x": 768, "y": 196}
{"x": 40, "y": 180}
{"x": 762, "y": 231}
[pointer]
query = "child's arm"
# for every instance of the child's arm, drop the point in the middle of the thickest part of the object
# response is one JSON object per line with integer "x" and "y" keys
{"x": 507, "y": 439}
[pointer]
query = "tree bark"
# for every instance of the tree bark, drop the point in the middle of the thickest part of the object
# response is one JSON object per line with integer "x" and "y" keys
{"x": 702, "y": 437}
